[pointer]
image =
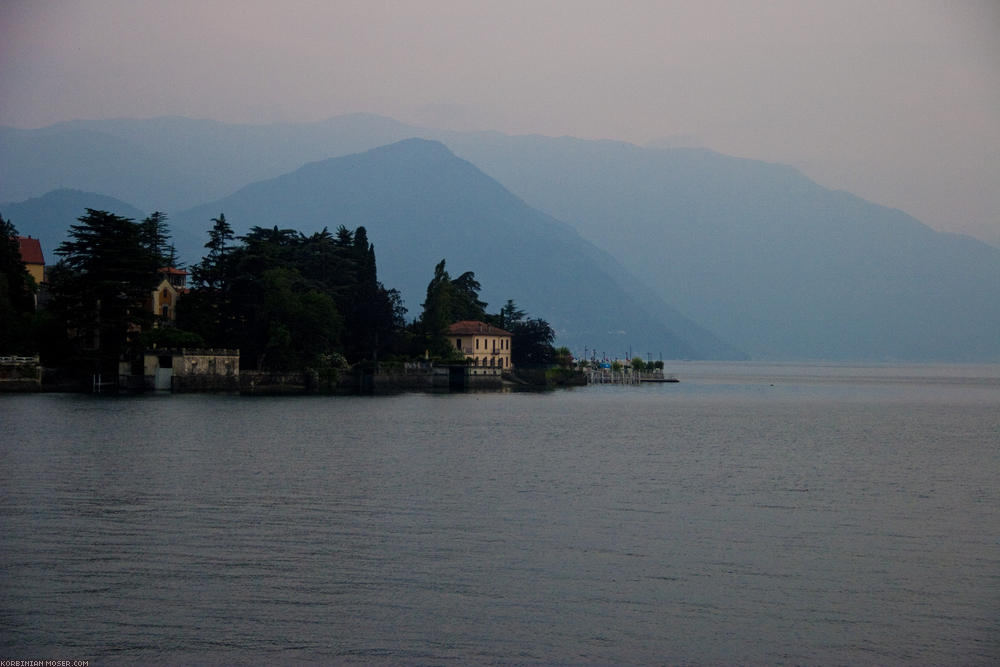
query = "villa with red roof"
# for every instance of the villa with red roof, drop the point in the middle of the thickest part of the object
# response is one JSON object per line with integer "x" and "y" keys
{"x": 485, "y": 346}
{"x": 173, "y": 283}
{"x": 31, "y": 255}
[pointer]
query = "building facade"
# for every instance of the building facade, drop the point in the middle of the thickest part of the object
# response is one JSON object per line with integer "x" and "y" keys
{"x": 173, "y": 283}
{"x": 192, "y": 370}
{"x": 486, "y": 347}
{"x": 31, "y": 255}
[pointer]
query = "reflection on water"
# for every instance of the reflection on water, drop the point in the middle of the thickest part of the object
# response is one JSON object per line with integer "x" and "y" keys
{"x": 772, "y": 514}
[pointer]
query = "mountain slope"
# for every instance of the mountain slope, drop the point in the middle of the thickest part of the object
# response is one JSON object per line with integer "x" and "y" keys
{"x": 764, "y": 256}
{"x": 172, "y": 163}
{"x": 47, "y": 218}
{"x": 33, "y": 162}
{"x": 754, "y": 251}
{"x": 420, "y": 204}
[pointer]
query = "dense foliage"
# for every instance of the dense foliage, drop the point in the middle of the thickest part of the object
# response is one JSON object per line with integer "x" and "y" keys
{"x": 100, "y": 288}
{"x": 286, "y": 300}
{"x": 532, "y": 343}
{"x": 448, "y": 300}
{"x": 17, "y": 289}
{"x": 456, "y": 299}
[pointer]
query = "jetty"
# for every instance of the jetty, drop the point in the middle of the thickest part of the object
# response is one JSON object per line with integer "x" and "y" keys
{"x": 626, "y": 376}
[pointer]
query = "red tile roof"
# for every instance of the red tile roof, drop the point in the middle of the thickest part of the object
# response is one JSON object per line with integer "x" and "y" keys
{"x": 169, "y": 270}
{"x": 472, "y": 327}
{"x": 31, "y": 250}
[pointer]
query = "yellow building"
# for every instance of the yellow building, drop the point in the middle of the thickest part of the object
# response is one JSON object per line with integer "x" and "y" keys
{"x": 31, "y": 255}
{"x": 164, "y": 298}
{"x": 485, "y": 346}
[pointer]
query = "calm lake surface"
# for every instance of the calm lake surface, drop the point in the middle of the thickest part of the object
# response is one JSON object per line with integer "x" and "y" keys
{"x": 763, "y": 514}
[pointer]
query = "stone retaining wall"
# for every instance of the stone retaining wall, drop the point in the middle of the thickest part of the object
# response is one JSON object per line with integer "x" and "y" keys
{"x": 20, "y": 374}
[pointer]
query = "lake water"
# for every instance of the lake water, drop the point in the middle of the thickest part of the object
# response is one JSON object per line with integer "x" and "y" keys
{"x": 762, "y": 514}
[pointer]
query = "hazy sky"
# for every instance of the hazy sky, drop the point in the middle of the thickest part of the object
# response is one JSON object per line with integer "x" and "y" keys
{"x": 897, "y": 100}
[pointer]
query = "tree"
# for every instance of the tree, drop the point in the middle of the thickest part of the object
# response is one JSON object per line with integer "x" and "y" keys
{"x": 563, "y": 357}
{"x": 373, "y": 314}
{"x": 170, "y": 337}
{"x": 638, "y": 364}
{"x": 156, "y": 236}
{"x": 210, "y": 271}
{"x": 437, "y": 304}
{"x": 345, "y": 237}
{"x": 108, "y": 269}
{"x": 17, "y": 289}
{"x": 466, "y": 304}
{"x": 508, "y": 315}
{"x": 301, "y": 323}
{"x": 287, "y": 299}
{"x": 364, "y": 257}
{"x": 448, "y": 301}
{"x": 532, "y": 343}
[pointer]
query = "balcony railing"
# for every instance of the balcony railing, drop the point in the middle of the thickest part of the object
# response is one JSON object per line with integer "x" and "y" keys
{"x": 495, "y": 353}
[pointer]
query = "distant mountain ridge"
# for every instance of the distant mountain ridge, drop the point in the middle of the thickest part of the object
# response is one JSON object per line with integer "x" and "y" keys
{"x": 48, "y": 217}
{"x": 762, "y": 255}
{"x": 172, "y": 163}
{"x": 420, "y": 204}
{"x": 754, "y": 251}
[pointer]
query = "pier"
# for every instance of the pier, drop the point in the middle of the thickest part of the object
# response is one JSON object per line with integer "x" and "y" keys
{"x": 627, "y": 376}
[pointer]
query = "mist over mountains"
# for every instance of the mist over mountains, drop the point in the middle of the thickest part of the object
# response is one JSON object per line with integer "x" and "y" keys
{"x": 420, "y": 204}
{"x": 768, "y": 260}
{"x": 48, "y": 217}
{"x": 764, "y": 256}
{"x": 174, "y": 163}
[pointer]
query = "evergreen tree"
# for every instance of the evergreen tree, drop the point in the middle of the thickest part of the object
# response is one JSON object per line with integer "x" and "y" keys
{"x": 466, "y": 304}
{"x": 287, "y": 299}
{"x": 207, "y": 307}
{"x": 509, "y": 314}
{"x": 345, "y": 237}
{"x": 17, "y": 289}
{"x": 532, "y": 343}
{"x": 430, "y": 328}
{"x": 448, "y": 301}
{"x": 156, "y": 237}
{"x": 209, "y": 272}
{"x": 104, "y": 280}
{"x": 364, "y": 257}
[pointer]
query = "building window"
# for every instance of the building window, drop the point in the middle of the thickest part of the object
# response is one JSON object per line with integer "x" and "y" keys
{"x": 458, "y": 343}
